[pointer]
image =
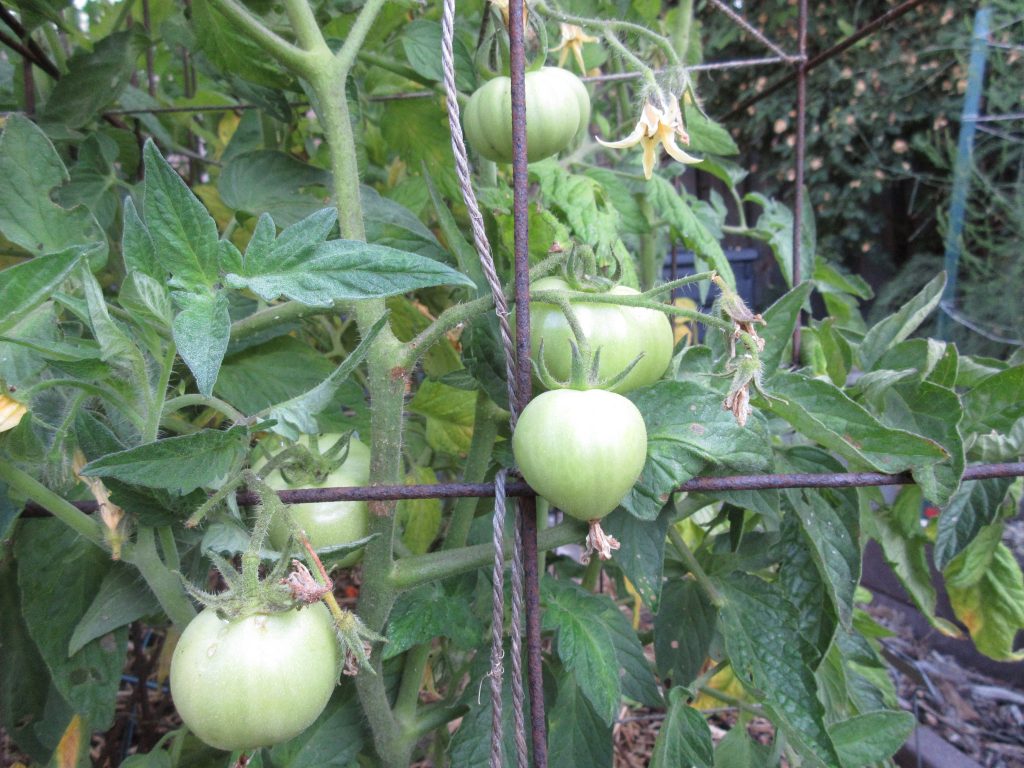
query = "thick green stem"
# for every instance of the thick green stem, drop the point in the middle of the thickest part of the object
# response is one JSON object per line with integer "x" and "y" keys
{"x": 24, "y": 484}
{"x": 164, "y": 584}
{"x": 346, "y": 56}
{"x": 690, "y": 560}
{"x": 275, "y": 314}
{"x": 185, "y": 401}
{"x": 485, "y": 431}
{"x": 650, "y": 260}
{"x": 413, "y": 571}
{"x": 303, "y": 22}
{"x": 409, "y": 689}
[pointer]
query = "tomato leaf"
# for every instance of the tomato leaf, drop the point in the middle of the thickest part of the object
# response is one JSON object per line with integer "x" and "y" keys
{"x": 184, "y": 234}
{"x": 641, "y": 554}
{"x": 24, "y": 679}
{"x": 872, "y": 737}
{"x": 30, "y": 169}
{"x": 268, "y": 181}
{"x": 673, "y": 207}
{"x": 577, "y": 735}
{"x": 53, "y": 604}
{"x": 823, "y": 412}
{"x": 899, "y": 325}
{"x": 201, "y": 332}
{"x": 122, "y": 598}
{"x": 635, "y": 672}
{"x": 428, "y": 612}
{"x": 991, "y": 605}
{"x": 782, "y": 318}
{"x": 471, "y": 744}
{"x": 739, "y": 750}
{"x": 421, "y": 41}
{"x": 176, "y": 463}
{"x": 684, "y": 737}
{"x": 973, "y": 507}
{"x": 775, "y": 227}
{"x": 770, "y": 656}
{"x": 688, "y": 430}
{"x": 334, "y": 739}
{"x": 683, "y": 630}
{"x": 584, "y": 644}
{"x": 297, "y": 416}
{"x": 449, "y": 413}
{"x": 392, "y": 224}
{"x": 25, "y": 286}
{"x": 995, "y": 404}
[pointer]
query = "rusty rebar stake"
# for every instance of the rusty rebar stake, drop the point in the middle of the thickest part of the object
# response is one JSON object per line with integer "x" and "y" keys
{"x": 524, "y": 384}
{"x": 798, "y": 175}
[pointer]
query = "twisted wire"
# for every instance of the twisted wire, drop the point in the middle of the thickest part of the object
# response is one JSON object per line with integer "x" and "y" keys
{"x": 501, "y": 308}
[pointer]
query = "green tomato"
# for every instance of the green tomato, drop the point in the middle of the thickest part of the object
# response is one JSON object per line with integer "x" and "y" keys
{"x": 557, "y": 110}
{"x": 256, "y": 681}
{"x": 329, "y": 523}
{"x": 581, "y": 450}
{"x": 620, "y": 333}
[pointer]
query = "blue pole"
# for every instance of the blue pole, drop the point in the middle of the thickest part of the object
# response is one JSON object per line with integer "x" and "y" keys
{"x": 962, "y": 168}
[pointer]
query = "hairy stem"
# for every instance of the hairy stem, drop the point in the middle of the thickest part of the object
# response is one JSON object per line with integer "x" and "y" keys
{"x": 690, "y": 560}
{"x": 24, "y": 484}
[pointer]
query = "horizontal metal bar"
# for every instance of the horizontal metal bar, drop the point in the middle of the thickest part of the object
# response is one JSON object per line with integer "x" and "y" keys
{"x": 697, "y": 485}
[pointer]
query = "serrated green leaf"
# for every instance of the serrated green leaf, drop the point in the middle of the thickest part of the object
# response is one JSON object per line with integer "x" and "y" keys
{"x": 297, "y": 416}
{"x": 992, "y": 608}
{"x": 684, "y": 740}
{"x": 973, "y": 507}
{"x": 823, "y": 412}
{"x": 577, "y": 734}
{"x": 122, "y": 598}
{"x": 471, "y": 744}
{"x": 268, "y": 181}
{"x": 836, "y": 350}
{"x": 232, "y": 51}
{"x": 635, "y": 672}
{"x": 343, "y": 269}
{"x": 995, "y": 403}
{"x": 421, "y": 518}
{"x": 641, "y": 553}
{"x": 673, "y": 208}
{"x": 775, "y": 227}
{"x": 179, "y": 464}
{"x": 806, "y": 587}
{"x": 137, "y": 247}
{"x": 464, "y": 253}
{"x": 390, "y": 223}
{"x": 705, "y": 134}
{"x": 428, "y": 612}
{"x": 421, "y": 42}
{"x": 584, "y": 644}
{"x": 738, "y": 750}
{"x": 273, "y": 372}
{"x": 147, "y": 300}
{"x": 769, "y": 655}
{"x": 687, "y": 430}
{"x": 683, "y": 630}
{"x": 25, "y": 286}
{"x": 450, "y": 414}
{"x": 201, "y": 332}
{"x": 830, "y": 520}
{"x": 52, "y": 605}
{"x": 333, "y": 740}
{"x": 30, "y": 169}
{"x": 781, "y": 319}
{"x": 24, "y": 679}
{"x": 184, "y": 234}
{"x": 898, "y": 326}
{"x": 872, "y": 737}
{"x": 93, "y": 80}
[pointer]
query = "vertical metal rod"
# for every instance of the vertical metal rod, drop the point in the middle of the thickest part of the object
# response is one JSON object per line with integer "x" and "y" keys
{"x": 801, "y": 146}
{"x": 524, "y": 385}
{"x": 964, "y": 160}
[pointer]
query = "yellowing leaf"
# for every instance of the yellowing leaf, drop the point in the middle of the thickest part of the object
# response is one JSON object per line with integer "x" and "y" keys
{"x": 66, "y": 754}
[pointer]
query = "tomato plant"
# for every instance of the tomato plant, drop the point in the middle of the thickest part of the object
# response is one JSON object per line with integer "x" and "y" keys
{"x": 557, "y": 111}
{"x": 620, "y": 333}
{"x": 582, "y": 450}
{"x": 328, "y": 523}
{"x": 257, "y": 680}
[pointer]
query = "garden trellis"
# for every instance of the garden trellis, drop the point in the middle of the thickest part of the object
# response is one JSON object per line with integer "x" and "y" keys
{"x": 531, "y": 537}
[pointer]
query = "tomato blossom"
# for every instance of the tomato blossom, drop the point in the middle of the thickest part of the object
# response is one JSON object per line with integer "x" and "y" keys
{"x": 657, "y": 126}
{"x": 11, "y": 412}
{"x": 573, "y": 38}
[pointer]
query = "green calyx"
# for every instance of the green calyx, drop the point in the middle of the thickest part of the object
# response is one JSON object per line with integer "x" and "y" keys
{"x": 584, "y": 371}
{"x": 302, "y": 466}
{"x": 583, "y": 272}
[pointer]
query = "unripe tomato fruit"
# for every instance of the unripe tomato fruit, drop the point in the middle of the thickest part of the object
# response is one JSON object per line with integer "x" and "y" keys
{"x": 255, "y": 681}
{"x": 581, "y": 450}
{"x": 619, "y": 332}
{"x": 329, "y": 523}
{"x": 557, "y": 110}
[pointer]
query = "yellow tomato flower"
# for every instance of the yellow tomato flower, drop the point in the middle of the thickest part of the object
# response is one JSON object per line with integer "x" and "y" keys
{"x": 573, "y": 38}
{"x": 11, "y": 412}
{"x": 656, "y": 127}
